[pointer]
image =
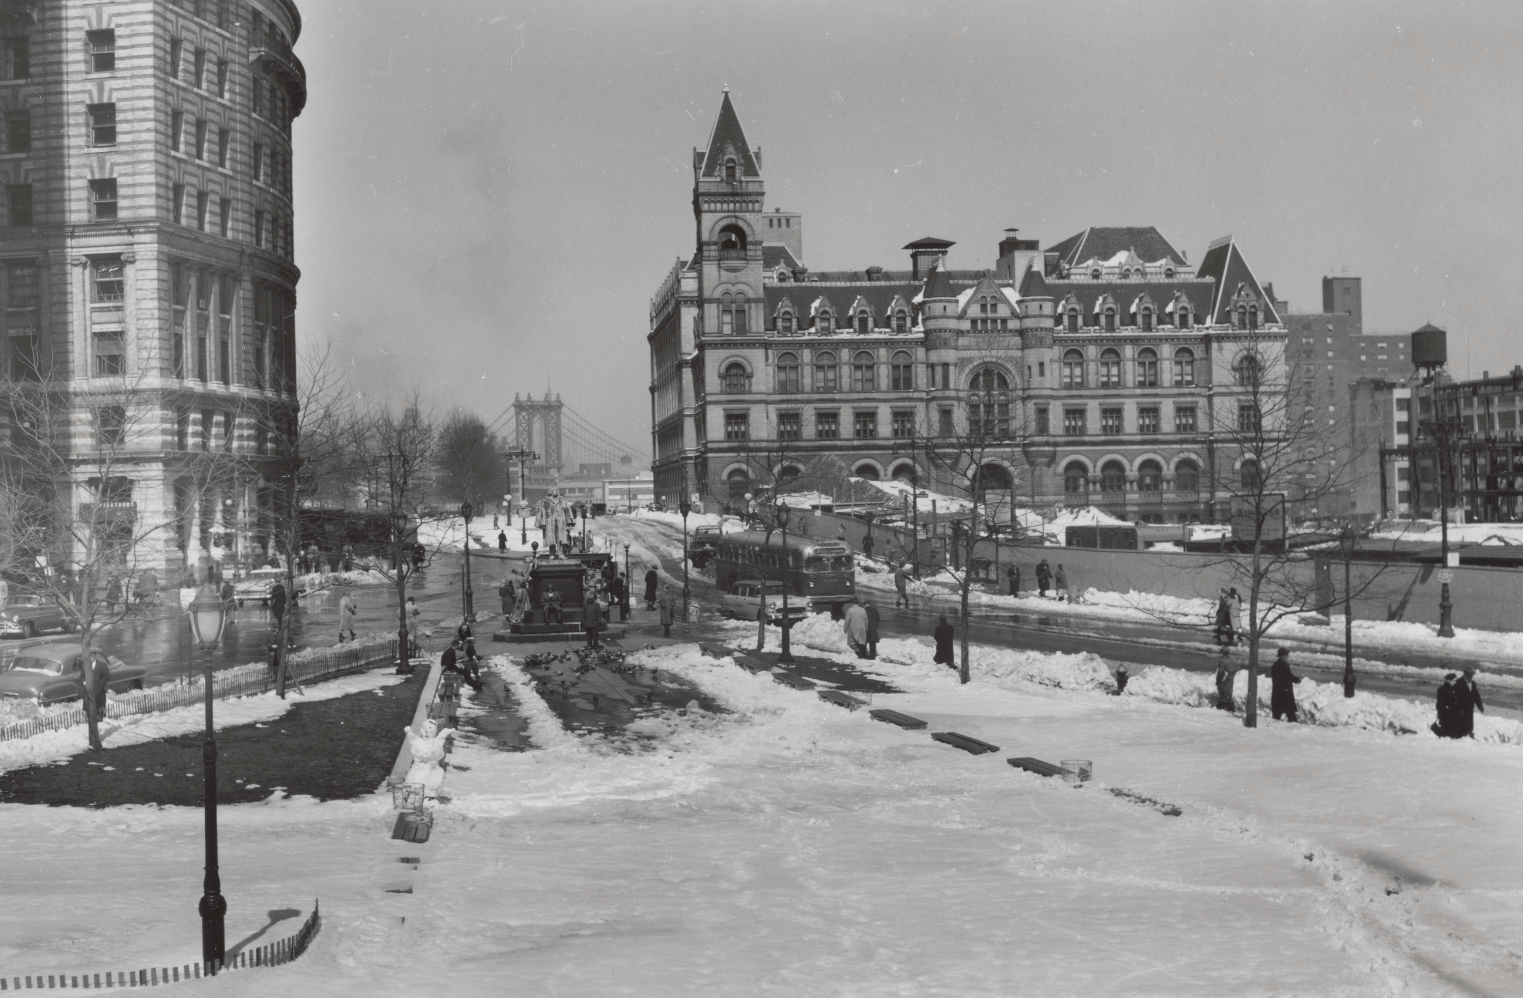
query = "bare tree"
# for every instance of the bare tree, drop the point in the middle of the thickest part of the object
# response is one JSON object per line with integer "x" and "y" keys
{"x": 471, "y": 466}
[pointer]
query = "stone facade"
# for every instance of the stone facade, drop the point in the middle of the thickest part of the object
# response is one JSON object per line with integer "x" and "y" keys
{"x": 146, "y": 251}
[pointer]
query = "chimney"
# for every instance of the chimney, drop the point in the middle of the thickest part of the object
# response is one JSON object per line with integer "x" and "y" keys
{"x": 925, "y": 254}
{"x": 874, "y": 274}
{"x": 1015, "y": 256}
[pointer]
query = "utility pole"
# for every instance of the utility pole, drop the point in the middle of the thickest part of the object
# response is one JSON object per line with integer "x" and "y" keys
{"x": 523, "y": 457}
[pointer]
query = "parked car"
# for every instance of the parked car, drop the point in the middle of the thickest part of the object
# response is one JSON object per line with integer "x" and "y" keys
{"x": 25, "y": 615}
{"x": 254, "y": 587}
{"x": 744, "y": 599}
{"x": 50, "y": 672}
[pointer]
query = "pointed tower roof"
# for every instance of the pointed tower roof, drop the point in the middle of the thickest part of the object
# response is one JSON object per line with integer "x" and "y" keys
{"x": 1224, "y": 264}
{"x": 728, "y": 139}
{"x": 937, "y": 285}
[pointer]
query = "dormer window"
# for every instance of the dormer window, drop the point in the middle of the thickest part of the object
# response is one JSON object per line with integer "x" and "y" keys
{"x": 864, "y": 322}
{"x": 1096, "y": 274}
{"x": 1073, "y": 320}
{"x": 901, "y": 321}
{"x": 825, "y": 322}
{"x": 730, "y": 173}
{"x": 1182, "y": 317}
{"x": 1108, "y": 319}
{"x": 1168, "y": 273}
{"x": 1145, "y": 320}
{"x": 785, "y": 322}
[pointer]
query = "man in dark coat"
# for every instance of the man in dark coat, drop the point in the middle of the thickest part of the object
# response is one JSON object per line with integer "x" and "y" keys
{"x": 618, "y": 589}
{"x": 651, "y": 581}
{"x": 592, "y": 620}
{"x": 448, "y": 661}
{"x": 1043, "y": 576}
{"x": 502, "y": 542}
{"x": 1467, "y": 700}
{"x": 943, "y": 635}
{"x": 100, "y": 681}
{"x": 1282, "y": 698}
{"x": 872, "y": 628}
{"x": 1013, "y": 575}
{"x": 1444, "y": 726}
{"x": 1223, "y": 629}
{"x": 867, "y": 546}
{"x": 277, "y": 601}
{"x": 901, "y": 585}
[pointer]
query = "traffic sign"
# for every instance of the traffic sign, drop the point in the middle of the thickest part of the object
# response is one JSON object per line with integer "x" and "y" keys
{"x": 1445, "y": 576}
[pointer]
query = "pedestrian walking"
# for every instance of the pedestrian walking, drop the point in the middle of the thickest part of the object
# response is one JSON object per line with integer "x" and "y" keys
{"x": 668, "y": 607}
{"x": 856, "y": 629}
{"x": 1043, "y": 577}
{"x": 1282, "y": 698}
{"x": 1235, "y": 616}
{"x": 1013, "y": 576}
{"x": 901, "y": 585}
{"x": 651, "y": 580}
{"x": 1226, "y": 674}
{"x": 943, "y": 635}
{"x": 113, "y": 593}
{"x": 505, "y": 594}
{"x": 1223, "y": 622}
{"x": 502, "y": 542}
{"x": 1467, "y": 700}
{"x": 1447, "y": 696}
{"x": 1061, "y": 578}
{"x": 867, "y": 546}
{"x": 346, "y": 614}
{"x": 348, "y": 561}
{"x": 619, "y": 588}
{"x": 229, "y": 597}
{"x": 872, "y": 628}
{"x": 592, "y": 620}
{"x": 277, "y": 601}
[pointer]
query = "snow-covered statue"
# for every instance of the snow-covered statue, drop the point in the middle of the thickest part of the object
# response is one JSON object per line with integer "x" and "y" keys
{"x": 555, "y": 517}
{"x": 427, "y": 745}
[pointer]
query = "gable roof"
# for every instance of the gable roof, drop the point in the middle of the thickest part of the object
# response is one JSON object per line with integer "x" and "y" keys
{"x": 775, "y": 255}
{"x": 1224, "y": 264}
{"x": 726, "y": 138}
{"x": 1126, "y": 293}
{"x": 1105, "y": 242}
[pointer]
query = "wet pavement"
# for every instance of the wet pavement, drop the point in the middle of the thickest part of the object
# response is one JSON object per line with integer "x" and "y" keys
{"x": 599, "y": 691}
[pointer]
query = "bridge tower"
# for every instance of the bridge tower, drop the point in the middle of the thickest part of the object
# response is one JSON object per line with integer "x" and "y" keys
{"x": 537, "y": 428}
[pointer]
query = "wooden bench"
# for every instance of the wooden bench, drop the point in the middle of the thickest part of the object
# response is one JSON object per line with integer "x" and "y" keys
{"x": 714, "y": 651}
{"x": 412, "y": 827}
{"x": 904, "y": 721}
{"x": 789, "y": 679}
{"x": 1036, "y": 766}
{"x": 965, "y": 742}
{"x": 842, "y": 699}
{"x": 751, "y": 663}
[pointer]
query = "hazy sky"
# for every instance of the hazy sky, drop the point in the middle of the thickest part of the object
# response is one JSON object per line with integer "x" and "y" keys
{"x": 488, "y": 193}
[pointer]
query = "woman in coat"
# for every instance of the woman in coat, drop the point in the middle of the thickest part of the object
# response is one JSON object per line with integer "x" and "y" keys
{"x": 943, "y": 635}
{"x": 668, "y": 611}
{"x": 650, "y": 589}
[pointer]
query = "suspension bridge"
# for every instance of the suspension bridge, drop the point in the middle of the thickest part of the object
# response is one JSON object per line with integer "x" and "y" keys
{"x": 564, "y": 443}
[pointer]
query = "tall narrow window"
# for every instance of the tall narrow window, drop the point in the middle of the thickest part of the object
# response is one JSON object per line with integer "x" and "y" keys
{"x": 785, "y": 323}
{"x": 989, "y": 405}
{"x": 222, "y": 78}
{"x": 788, "y": 379}
{"x": 826, "y": 374}
{"x": 225, "y": 328}
{"x": 901, "y": 372}
{"x": 824, "y": 322}
{"x": 258, "y": 162}
{"x": 102, "y": 124}
{"x": 224, "y": 135}
{"x": 1073, "y": 369}
{"x": 229, "y": 425}
{"x": 1110, "y": 368}
{"x": 901, "y": 321}
{"x": 102, "y": 50}
{"x": 1182, "y": 317}
{"x": 1147, "y": 368}
{"x": 111, "y": 425}
{"x": 176, "y": 128}
{"x": 110, "y": 354}
{"x": 15, "y": 58}
{"x": 18, "y": 130}
{"x": 1184, "y": 367}
{"x": 946, "y": 424}
{"x": 177, "y": 204}
{"x": 864, "y": 372}
{"x": 19, "y": 202}
{"x": 258, "y": 228}
{"x": 200, "y": 69}
{"x": 864, "y": 322}
{"x": 1071, "y": 320}
{"x": 257, "y": 95}
{"x": 203, "y": 199}
{"x": 224, "y": 217}
{"x": 1043, "y": 421}
{"x": 208, "y": 422}
{"x": 201, "y": 126}
{"x": 176, "y": 53}
{"x": 261, "y": 336}
{"x": 103, "y": 200}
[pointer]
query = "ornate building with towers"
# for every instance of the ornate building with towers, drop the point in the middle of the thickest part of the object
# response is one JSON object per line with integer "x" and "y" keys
{"x": 1105, "y": 369}
{"x": 146, "y": 261}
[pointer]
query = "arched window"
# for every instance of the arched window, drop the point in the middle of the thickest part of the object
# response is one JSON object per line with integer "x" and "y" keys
{"x": 1126, "y": 273}
{"x": 1248, "y": 474}
{"x": 1253, "y": 316}
{"x": 1073, "y": 369}
{"x": 732, "y": 314}
{"x": 1187, "y": 477}
{"x": 864, "y": 321}
{"x": 785, "y": 322}
{"x": 735, "y": 378}
{"x": 826, "y": 374}
{"x": 1075, "y": 479}
{"x": 902, "y": 472}
{"x": 1072, "y": 319}
{"x": 1096, "y": 274}
{"x": 788, "y": 473}
{"x": 864, "y": 372}
{"x": 1247, "y": 371}
{"x": 1145, "y": 318}
{"x": 1149, "y": 476}
{"x": 1184, "y": 367}
{"x": 739, "y": 319}
{"x": 730, "y": 174}
{"x": 1112, "y": 477}
{"x": 991, "y": 477}
{"x": 732, "y": 243}
{"x": 866, "y": 472}
{"x": 989, "y": 405}
{"x": 1108, "y": 319}
{"x": 1168, "y": 273}
{"x": 901, "y": 321}
{"x": 1110, "y": 366}
{"x": 825, "y": 322}
{"x": 739, "y": 484}
{"x": 788, "y": 375}
{"x": 901, "y": 372}
{"x": 1147, "y": 368}
{"x": 1182, "y": 317}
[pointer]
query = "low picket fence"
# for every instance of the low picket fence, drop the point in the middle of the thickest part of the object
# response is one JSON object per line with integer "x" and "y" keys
{"x": 241, "y": 680}
{"x": 270, "y": 955}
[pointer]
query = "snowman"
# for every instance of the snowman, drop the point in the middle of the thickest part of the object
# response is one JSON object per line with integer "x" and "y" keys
{"x": 427, "y": 746}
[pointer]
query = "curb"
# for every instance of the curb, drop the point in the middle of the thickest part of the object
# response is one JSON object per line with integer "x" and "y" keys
{"x": 419, "y": 715}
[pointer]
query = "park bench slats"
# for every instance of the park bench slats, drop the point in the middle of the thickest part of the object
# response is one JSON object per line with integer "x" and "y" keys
{"x": 965, "y": 742}
{"x": 904, "y": 721}
{"x": 789, "y": 679}
{"x": 1036, "y": 766}
{"x": 841, "y": 699}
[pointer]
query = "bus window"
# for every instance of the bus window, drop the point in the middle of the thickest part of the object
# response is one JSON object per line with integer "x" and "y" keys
{"x": 816, "y": 564}
{"x": 841, "y": 563}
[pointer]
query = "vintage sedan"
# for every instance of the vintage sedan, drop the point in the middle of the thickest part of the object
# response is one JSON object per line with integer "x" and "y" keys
{"x": 50, "y": 672}
{"x": 23, "y": 616}
{"x": 743, "y": 601}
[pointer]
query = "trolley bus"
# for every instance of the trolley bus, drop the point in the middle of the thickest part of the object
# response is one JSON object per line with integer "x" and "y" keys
{"x": 821, "y": 574}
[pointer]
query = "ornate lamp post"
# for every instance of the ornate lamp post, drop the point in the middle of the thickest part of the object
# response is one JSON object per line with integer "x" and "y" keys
{"x": 684, "y": 507}
{"x": 470, "y": 609}
{"x": 786, "y": 655}
{"x": 207, "y": 617}
{"x": 1346, "y": 548}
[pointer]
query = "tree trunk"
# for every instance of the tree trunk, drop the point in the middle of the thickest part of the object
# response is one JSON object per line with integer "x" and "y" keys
{"x": 403, "y": 658}
{"x": 1251, "y": 708}
{"x": 93, "y": 710}
{"x": 967, "y": 583}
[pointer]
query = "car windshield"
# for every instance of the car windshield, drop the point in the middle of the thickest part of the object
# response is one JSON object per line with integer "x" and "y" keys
{"x": 24, "y": 601}
{"x": 775, "y": 589}
{"x": 31, "y": 663}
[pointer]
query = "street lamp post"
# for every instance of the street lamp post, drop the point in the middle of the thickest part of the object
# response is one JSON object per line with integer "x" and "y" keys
{"x": 207, "y": 617}
{"x": 624, "y": 609}
{"x": 523, "y": 457}
{"x": 470, "y": 609}
{"x": 786, "y": 655}
{"x": 1346, "y": 547}
{"x": 684, "y": 507}
{"x": 1440, "y": 427}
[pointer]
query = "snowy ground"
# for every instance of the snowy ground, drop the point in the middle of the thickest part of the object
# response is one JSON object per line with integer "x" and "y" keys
{"x": 790, "y": 847}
